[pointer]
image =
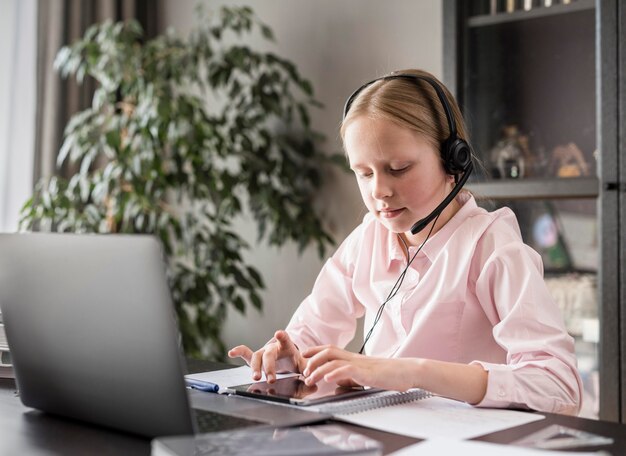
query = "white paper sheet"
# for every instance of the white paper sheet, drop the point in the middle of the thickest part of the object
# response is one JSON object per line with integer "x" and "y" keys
{"x": 440, "y": 417}
{"x": 227, "y": 378}
{"x": 469, "y": 448}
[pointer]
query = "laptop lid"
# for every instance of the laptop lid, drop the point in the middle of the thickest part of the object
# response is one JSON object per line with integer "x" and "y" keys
{"x": 92, "y": 330}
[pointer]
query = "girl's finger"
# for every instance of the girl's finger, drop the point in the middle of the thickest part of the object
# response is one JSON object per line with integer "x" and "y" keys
{"x": 241, "y": 351}
{"x": 256, "y": 363}
{"x": 326, "y": 354}
{"x": 342, "y": 375}
{"x": 312, "y": 351}
{"x": 318, "y": 374}
{"x": 269, "y": 365}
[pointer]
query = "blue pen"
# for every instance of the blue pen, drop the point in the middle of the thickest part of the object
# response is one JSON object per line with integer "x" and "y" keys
{"x": 202, "y": 386}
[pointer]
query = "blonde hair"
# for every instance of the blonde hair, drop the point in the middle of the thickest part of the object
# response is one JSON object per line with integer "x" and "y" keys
{"x": 400, "y": 101}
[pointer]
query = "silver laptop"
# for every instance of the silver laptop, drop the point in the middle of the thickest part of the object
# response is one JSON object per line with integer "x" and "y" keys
{"x": 93, "y": 336}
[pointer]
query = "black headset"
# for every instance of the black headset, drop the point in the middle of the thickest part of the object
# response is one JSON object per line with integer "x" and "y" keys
{"x": 456, "y": 153}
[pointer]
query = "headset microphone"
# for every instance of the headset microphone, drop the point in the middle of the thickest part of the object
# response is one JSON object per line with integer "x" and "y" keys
{"x": 423, "y": 223}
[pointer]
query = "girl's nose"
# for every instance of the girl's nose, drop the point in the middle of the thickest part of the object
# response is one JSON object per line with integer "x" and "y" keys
{"x": 380, "y": 187}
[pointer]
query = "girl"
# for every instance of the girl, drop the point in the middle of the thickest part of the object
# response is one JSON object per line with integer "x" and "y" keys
{"x": 457, "y": 306}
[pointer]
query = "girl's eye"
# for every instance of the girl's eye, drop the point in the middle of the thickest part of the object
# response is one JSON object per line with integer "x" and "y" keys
{"x": 362, "y": 175}
{"x": 399, "y": 170}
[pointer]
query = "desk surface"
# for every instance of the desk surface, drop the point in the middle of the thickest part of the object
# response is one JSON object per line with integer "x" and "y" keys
{"x": 27, "y": 431}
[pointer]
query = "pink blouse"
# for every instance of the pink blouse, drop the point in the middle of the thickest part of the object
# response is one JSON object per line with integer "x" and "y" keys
{"x": 474, "y": 294}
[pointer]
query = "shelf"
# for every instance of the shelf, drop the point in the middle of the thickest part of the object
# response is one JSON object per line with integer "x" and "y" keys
{"x": 511, "y": 189}
{"x": 536, "y": 12}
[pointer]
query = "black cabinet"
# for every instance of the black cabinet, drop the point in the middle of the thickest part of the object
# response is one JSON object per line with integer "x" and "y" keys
{"x": 541, "y": 84}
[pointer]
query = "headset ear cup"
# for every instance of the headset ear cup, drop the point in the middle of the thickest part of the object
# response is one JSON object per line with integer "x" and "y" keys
{"x": 458, "y": 156}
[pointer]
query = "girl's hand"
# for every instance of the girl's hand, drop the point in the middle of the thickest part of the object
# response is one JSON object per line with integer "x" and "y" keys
{"x": 332, "y": 364}
{"x": 278, "y": 355}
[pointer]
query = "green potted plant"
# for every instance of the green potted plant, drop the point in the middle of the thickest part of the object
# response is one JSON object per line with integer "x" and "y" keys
{"x": 184, "y": 135}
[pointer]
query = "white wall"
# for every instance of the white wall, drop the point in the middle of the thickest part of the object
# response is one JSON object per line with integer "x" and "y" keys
{"x": 338, "y": 45}
{"x": 18, "y": 52}
{"x": 7, "y": 18}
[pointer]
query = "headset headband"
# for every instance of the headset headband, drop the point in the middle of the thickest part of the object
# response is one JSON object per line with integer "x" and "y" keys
{"x": 413, "y": 77}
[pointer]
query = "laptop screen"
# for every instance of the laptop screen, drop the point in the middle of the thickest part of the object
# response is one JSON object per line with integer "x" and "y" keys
{"x": 92, "y": 330}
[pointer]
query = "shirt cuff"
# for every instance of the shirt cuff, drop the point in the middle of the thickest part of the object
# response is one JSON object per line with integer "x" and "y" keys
{"x": 500, "y": 387}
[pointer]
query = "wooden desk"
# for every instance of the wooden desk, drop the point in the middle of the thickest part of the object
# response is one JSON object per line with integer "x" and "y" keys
{"x": 30, "y": 432}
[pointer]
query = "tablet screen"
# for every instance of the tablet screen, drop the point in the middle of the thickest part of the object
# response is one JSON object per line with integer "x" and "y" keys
{"x": 293, "y": 390}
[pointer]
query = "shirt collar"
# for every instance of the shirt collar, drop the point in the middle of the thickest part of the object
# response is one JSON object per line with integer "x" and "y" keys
{"x": 438, "y": 240}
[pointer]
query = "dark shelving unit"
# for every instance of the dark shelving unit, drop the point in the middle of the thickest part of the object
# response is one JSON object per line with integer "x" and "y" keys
{"x": 557, "y": 74}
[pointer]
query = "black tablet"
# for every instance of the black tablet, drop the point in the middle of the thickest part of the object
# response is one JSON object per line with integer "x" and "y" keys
{"x": 293, "y": 390}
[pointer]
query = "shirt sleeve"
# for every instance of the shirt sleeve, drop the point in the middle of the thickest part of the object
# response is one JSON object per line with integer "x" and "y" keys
{"x": 540, "y": 371}
{"x": 329, "y": 314}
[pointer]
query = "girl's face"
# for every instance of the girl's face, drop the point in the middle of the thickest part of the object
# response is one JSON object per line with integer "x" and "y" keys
{"x": 400, "y": 174}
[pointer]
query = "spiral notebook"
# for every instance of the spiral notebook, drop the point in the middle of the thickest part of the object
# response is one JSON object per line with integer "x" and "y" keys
{"x": 373, "y": 401}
